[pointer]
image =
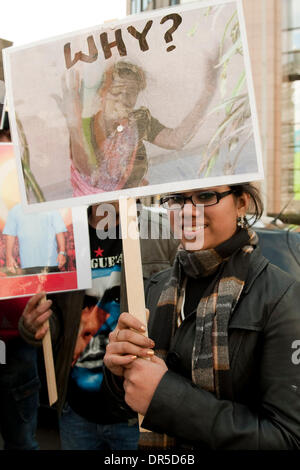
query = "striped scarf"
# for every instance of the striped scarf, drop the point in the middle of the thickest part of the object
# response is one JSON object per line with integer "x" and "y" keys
{"x": 230, "y": 261}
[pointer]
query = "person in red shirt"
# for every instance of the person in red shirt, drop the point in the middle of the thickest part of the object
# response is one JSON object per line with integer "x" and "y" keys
{"x": 19, "y": 381}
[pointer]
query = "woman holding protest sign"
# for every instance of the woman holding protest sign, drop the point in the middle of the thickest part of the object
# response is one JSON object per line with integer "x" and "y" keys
{"x": 221, "y": 328}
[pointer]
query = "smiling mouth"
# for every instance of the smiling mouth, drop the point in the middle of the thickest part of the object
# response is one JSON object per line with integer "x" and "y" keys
{"x": 194, "y": 228}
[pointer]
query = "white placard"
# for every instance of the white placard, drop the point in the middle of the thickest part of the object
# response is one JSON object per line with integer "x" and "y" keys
{"x": 158, "y": 102}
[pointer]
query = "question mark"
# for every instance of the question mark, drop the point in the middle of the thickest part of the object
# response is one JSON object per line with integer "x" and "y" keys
{"x": 176, "y": 22}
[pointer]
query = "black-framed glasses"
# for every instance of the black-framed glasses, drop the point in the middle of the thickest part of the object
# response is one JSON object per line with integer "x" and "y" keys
{"x": 204, "y": 198}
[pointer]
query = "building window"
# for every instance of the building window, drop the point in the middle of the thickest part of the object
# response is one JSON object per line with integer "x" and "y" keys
{"x": 143, "y": 5}
{"x": 291, "y": 95}
{"x": 148, "y": 5}
{"x": 135, "y": 7}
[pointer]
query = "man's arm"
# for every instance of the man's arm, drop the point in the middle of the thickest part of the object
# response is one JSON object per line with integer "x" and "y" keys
{"x": 33, "y": 322}
{"x": 11, "y": 263}
{"x": 61, "y": 249}
{"x": 70, "y": 104}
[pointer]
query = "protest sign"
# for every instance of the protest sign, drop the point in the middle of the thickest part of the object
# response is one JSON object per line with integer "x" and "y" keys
{"x": 158, "y": 102}
{"x": 45, "y": 251}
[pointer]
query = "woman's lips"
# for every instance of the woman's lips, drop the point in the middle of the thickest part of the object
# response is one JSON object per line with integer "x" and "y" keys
{"x": 193, "y": 231}
{"x": 193, "y": 228}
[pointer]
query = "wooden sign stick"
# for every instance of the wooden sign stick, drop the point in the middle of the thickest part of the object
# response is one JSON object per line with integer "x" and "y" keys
{"x": 133, "y": 264}
{"x": 49, "y": 364}
{"x": 132, "y": 259}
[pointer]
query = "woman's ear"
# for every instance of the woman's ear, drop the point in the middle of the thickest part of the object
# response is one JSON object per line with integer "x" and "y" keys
{"x": 243, "y": 203}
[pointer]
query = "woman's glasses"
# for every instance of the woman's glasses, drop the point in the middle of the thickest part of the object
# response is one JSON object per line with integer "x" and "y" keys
{"x": 175, "y": 202}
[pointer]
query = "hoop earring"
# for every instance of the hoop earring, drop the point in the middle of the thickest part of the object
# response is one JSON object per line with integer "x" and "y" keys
{"x": 242, "y": 222}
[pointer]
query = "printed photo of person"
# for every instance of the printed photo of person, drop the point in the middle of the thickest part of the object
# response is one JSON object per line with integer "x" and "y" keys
{"x": 107, "y": 149}
{"x": 99, "y": 316}
{"x": 30, "y": 242}
{"x": 40, "y": 237}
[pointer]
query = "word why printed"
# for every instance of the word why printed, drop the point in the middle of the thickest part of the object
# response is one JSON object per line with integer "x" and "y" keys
{"x": 140, "y": 36}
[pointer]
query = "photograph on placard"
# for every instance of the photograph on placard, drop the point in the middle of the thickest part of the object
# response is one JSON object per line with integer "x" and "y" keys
{"x": 40, "y": 250}
{"x": 161, "y": 100}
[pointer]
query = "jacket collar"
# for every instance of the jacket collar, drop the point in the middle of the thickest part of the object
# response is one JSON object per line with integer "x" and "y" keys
{"x": 257, "y": 265}
{"x": 249, "y": 317}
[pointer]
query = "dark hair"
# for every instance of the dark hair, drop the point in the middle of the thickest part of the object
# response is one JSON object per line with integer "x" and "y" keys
{"x": 257, "y": 205}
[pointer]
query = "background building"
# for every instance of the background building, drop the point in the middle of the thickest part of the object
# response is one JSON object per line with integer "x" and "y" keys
{"x": 273, "y": 31}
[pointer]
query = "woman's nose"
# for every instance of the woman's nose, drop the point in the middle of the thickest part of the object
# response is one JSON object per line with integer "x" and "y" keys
{"x": 190, "y": 211}
{"x": 188, "y": 206}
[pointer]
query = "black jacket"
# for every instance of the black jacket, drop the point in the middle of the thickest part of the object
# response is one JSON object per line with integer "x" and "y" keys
{"x": 264, "y": 411}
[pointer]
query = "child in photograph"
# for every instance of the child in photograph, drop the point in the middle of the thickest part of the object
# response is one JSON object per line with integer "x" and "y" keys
{"x": 107, "y": 149}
